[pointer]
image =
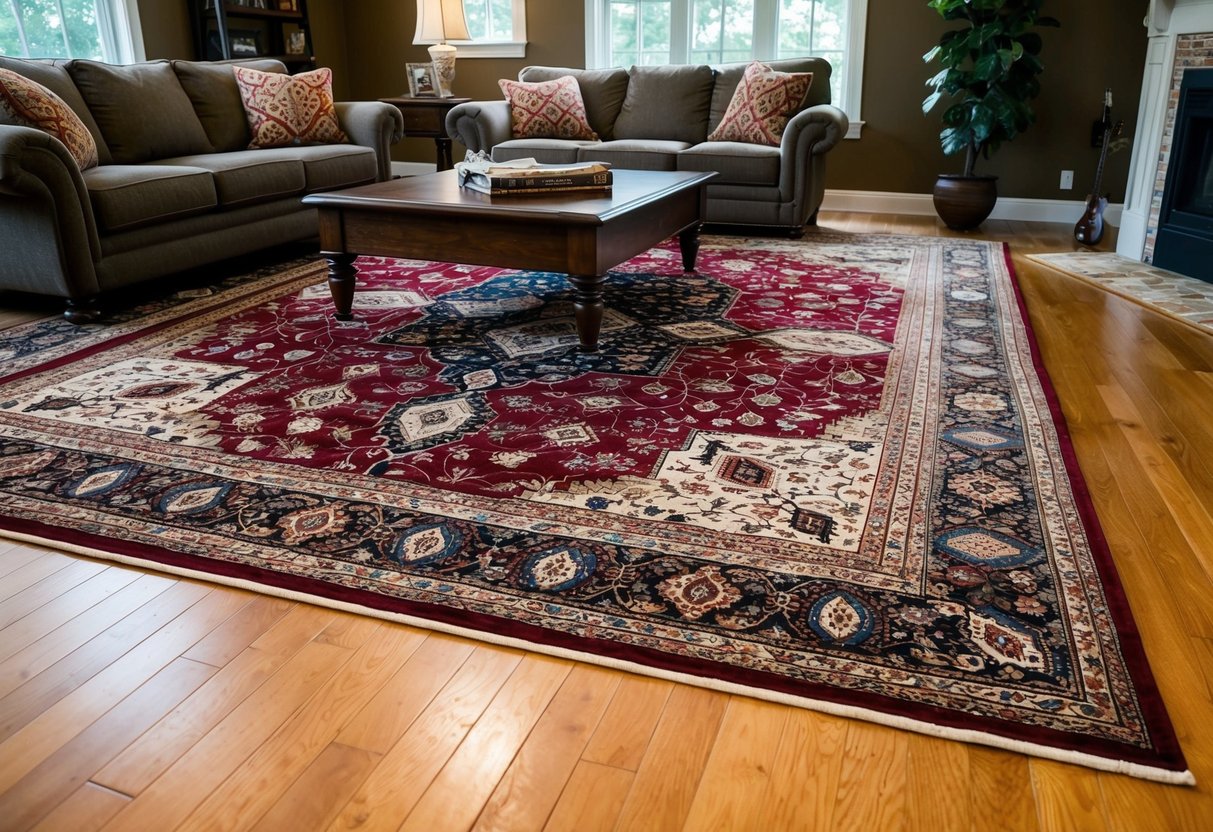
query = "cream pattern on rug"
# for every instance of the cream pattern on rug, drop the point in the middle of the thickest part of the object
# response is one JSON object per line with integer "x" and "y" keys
{"x": 1184, "y": 298}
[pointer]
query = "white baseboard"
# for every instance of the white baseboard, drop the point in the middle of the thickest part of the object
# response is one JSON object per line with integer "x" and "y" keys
{"x": 412, "y": 168}
{"x": 1008, "y": 208}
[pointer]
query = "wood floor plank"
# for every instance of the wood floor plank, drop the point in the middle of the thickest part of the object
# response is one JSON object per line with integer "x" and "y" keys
{"x": 938, "y": 785}
{"x": 133, "y": 770}
{"x": 231, "y": 637}
{"x": 31, "y": 573}
{"x": 1132, "y": 805}
{"x": 49, "y": 588}
{"x": 14, "y": 555}
{"x": 1001, "y": 789}
{"x": 387, "y": 796}
{"x": 315, "y": 798}
{"x": 79, "y": 667}
{"x": 34, "y": 742}
{"x": 78, "y": 614}
{"x": 873, "y": 780}
{"x": 256, "y": 784}
{"x": 668, "y": 776}
{"x": 804, "y": 777}
{"x": 623, "y": 735}
{"x": 379, "y": 725}
{"x": 191, "y": 778}
{"x": 488, "y": 749}
{"x": 67, "y": 769}
{"x": 592, "y": 799}
{"x": 89, "y": 808}
{"x": 532, "y": 784}
{"x": 1067, "y": 797}
{"x": 738, "y": 770}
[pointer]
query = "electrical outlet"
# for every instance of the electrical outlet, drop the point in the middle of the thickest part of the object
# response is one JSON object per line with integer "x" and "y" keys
{"x": 1067, "y": 180}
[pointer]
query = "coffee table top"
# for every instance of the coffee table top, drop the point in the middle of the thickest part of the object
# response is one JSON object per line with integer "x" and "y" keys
{"x": 440, "y": 194}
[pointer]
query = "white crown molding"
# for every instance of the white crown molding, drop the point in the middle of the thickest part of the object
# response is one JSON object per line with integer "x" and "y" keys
{"x": 1008, "y": 208}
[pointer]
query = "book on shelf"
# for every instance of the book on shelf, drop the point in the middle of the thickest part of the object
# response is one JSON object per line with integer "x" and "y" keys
{"x": 527, "y": 176}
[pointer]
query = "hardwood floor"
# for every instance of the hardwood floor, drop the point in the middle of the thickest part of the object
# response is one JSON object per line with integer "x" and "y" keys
{"x": 138, "y": 701}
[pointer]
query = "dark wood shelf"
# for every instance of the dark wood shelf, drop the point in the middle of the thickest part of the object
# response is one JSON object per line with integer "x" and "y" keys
{"x": 265, "y": 32}
{"x": 233, "y": 10}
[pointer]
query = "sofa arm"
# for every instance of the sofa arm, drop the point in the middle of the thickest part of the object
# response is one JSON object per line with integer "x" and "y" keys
{"x": 375, "y": 125}
{"x": 806, "y": 139}
{"x": 480, "y": 125}
{"x": 47, "y": 230}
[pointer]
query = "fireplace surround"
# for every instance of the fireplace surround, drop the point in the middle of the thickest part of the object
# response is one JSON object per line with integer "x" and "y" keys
{"x": 1180, "y": 38}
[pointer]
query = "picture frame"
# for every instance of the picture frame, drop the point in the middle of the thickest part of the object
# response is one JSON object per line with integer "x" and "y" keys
{"x": 296, "y": 43}
{"x": 423, "y": 82}
{"x": 245, "y": 43}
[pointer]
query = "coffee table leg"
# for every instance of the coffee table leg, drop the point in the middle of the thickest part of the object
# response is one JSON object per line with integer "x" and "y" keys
{"x": 587, "y": 306}
{"x": 688, "y": 241}
{"x": 342, "y": 277}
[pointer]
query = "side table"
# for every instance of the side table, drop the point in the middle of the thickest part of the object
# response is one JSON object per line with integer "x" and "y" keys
{"x": 426, "y": 118}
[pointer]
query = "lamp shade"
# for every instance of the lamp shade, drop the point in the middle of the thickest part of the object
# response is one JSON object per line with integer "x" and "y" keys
{"x": 441, "y": 20}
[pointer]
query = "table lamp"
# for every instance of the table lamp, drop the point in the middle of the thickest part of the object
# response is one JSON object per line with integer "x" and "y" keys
{"x": 442, "y": 20}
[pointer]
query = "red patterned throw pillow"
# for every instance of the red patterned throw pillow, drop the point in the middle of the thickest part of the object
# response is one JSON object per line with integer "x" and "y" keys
{"x": 761, "y": 105}
{"x": 28, "y": 104}
{"x": 289, "y": 109}
{"x": 547, "y": 109}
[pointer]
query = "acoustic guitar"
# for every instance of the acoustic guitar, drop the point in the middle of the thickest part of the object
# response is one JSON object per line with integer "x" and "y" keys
{"x": 1089, "y": 229}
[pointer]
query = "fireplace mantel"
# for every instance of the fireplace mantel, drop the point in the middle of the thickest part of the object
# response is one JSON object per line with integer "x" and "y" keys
{"x": 1166, "y": 21}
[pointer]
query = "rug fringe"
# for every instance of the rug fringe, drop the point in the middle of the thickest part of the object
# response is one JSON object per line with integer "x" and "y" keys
{"x": 1143, "y": 772}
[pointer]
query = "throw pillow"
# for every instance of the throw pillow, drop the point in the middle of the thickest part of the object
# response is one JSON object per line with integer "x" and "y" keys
{"x": 547, "y": 109}
{"x": 28, "y": 104}
{"x": 289, "y": 109}
{"x": 761, "y": 105}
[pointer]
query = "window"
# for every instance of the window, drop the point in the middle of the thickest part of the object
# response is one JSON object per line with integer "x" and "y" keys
{"x": 648, "y": 32}
{"x": 103, "y": 30}
{"x": 497, "y": 27}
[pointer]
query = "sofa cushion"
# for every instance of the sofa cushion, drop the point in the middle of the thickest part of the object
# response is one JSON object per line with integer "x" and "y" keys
{"x": 761, "y": 105}
{"x": 547, "y": 109}
{"x": 635, "y": 154}
{"x": 246, "y": 177}
{"x": 141, "y": 110}
{"x": 728, "y": 76}
{"x": 212, "y": 91}
{"x": 737, "y": 163}
{"x": 666, "y": 102}
{"x": 289, "y": 109}
{"x": 27, "y": 103}
{"x": 328, "y": 166}
{"x": 53, "y": 75}
{"x": 602, "y": 90}
{"x": 545, "y": 151}
{"x": 128, "y": 196}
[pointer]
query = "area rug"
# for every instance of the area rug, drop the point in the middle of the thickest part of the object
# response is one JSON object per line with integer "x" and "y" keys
{"x": 829, "y": 473}
{"x": 1177, "y": 296}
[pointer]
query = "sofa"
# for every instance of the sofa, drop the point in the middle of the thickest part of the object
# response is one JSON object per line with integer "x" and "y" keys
{"x": 659, "y": 118}
{"x": 176, "y": 187}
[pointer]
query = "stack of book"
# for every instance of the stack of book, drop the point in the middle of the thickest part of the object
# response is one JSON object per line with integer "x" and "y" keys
{"x": 526, "y": 176}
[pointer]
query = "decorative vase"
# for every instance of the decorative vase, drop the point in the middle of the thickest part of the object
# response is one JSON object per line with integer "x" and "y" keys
{"x": 964, "y": 202}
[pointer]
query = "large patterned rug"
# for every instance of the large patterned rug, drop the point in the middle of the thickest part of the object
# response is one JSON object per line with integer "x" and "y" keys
{"x": 829, "y": 473}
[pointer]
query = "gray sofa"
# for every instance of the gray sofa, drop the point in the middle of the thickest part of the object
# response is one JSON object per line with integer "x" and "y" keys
{"x": 659, "y": 118}
{"x": 176, "y": 187}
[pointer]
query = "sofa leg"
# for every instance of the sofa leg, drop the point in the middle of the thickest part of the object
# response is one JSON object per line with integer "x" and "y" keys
{"x": 82, "y": 310}
{"x": 796, "y": 233}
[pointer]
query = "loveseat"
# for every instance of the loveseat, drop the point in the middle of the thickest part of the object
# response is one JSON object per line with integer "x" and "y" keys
{"x": 176, "y": 186}
{"x": 660, "y": 117}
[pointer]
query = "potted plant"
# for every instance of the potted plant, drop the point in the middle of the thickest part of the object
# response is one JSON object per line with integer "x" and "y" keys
{"x": 989, "y": 76}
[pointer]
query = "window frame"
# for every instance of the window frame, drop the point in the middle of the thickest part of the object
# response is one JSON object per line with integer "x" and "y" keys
{"x": 597, "y": 45}
{"x": 120, "y": 33}
{"x": 513, "y": 48}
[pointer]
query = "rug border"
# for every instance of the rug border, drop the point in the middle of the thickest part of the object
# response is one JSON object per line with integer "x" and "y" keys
{"x": 822, "y": 698}
{"x": 1138, "y": 770}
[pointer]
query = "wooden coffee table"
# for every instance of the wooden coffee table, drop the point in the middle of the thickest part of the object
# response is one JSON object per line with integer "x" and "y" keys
{"x": 582, "y": 234}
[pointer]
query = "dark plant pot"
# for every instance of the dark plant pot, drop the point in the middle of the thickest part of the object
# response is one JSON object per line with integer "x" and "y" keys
{"x": 964, "y": 202}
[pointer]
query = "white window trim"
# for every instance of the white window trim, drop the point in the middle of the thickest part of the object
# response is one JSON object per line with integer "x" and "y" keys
{"x": 597, "y": 48}
{"x": 515, "y": 48}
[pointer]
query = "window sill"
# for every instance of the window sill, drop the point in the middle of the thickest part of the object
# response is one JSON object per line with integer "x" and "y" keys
{"x": 855, "y": 129}
{"x": 497, "y": 49}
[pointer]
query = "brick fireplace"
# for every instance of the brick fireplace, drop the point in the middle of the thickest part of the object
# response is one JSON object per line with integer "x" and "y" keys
{"x": 1180, "y": 38}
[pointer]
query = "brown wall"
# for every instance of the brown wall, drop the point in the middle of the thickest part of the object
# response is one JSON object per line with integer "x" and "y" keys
{"x": 368, "y": 42}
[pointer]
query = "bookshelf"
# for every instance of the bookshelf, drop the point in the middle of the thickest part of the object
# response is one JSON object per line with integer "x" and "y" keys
{"x": 238, "y": 29}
